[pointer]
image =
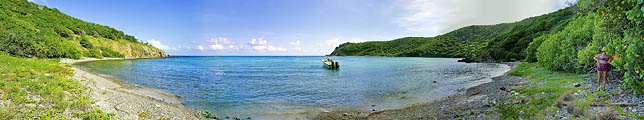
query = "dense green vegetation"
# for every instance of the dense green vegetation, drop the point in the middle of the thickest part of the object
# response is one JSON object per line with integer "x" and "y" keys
{"x": 558, "y": 51}
{"x": 614, "y": 25}
{"x": 41, "y": 89}
{"x": 458, "y": 43}
{"x": 31, "y": 30}
{"x": 622, "y": 26}
{"x": 486, "y": 42}
{"x": 511, "y": 45}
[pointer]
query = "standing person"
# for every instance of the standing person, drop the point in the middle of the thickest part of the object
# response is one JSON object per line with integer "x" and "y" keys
{"x": 603, "y": 62}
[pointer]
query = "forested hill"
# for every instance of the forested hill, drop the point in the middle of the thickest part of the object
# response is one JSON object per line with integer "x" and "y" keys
{"x": 31, "y": 30}
{"x": 453, "y": 44}
{"x": 464, "y": 42}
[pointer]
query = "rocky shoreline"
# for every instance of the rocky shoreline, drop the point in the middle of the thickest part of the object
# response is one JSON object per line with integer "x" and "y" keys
{"x": 614, "y": 102}
{"x": 473, "y": 102}
{"x": 130, "y": 101}
{"x": 613, "y": 93}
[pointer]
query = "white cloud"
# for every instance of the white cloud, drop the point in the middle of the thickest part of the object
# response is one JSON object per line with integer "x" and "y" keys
{"x": 434, "y": 17}
{"x": 258, "y": 41}
{"x": 158, "y": 44}
{"x": 219, "y": 43}
{"x": 259, "y": 48}
{"x": 422, "y": 16}
{"x": 216, "y": 47}
{"x": 261, "y": 45}
{"x": 296, "y": 44}
{"x": 219, "y": 40}
{"x": 200, "y": 47}
{"x": 273, "y": 48}
{"x": 333, "y": 42}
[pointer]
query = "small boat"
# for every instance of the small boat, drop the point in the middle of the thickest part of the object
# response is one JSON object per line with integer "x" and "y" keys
{"x": 330, "y": 63}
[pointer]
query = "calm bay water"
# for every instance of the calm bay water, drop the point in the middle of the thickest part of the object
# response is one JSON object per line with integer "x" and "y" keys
{"x": 291, "y": 87}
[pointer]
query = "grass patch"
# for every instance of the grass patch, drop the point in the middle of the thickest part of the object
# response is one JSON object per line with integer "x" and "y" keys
{"x": 94, "y": 115}
{"x": 145, "y": 115}
{"x": 547, "y": 88}
{"x": 39, "y": 89}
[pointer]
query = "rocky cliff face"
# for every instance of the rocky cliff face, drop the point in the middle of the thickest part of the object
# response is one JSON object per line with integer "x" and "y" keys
{"x": 140, "y": 51}
{"x": 129, "y": 49}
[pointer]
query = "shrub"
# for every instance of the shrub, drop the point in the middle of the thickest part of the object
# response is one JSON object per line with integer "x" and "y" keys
{"x": 531, "y": 51}
{"x": 85, "y": 43}
{"x": 95, "y": 53}
{"x": 559, "y": 51}
{"x": 622, "y": 20}
{"x": 508, "y": 111}
{"x": 109, "y": 52}
{"x": 512, "y": 45}
{"x": 94, "y": 115}
{"x": 145, "y": 115}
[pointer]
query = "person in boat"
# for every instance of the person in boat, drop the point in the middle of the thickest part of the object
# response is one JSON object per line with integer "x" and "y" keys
{"x": 603, "y": 63}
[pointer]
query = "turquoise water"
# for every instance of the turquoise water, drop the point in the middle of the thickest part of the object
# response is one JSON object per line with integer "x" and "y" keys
{"x": 291, "y": 87}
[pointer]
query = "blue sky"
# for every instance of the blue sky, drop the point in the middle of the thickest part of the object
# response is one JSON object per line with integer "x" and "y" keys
{"x": 290, "y": 27}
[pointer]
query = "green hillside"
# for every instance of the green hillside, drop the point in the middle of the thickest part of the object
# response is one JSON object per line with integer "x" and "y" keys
{"x": 470, "y": 41}
{"x": 31, "y": 30}
{"x": 511, "y": 46}
{"x": 453, "y": 44}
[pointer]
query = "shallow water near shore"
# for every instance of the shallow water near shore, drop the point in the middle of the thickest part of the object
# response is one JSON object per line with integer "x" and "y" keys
{"x": 271, "y": 87}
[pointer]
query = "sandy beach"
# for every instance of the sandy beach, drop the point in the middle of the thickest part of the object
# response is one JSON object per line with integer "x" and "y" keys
{"x": 130, "y": 101}
{"x": 477, "y": 100}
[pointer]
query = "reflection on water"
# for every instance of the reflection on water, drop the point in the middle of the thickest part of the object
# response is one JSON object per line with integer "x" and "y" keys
{"x": 275, "y": 87}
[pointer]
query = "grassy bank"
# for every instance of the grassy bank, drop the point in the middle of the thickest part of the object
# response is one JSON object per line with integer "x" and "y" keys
{"x": 550, "y": 92}
{"x": 42, "y": 89}
{"x": 537, "y": 100}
